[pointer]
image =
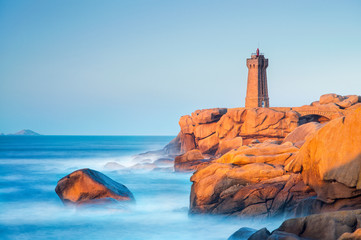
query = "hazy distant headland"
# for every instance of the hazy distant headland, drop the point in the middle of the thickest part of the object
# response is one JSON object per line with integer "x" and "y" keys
{"x": 24, "y": 132}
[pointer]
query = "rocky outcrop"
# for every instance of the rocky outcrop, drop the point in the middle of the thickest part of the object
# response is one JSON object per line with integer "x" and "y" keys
{"x": 250, "y": 181}
{"x": 216, "y": 131}
{"x": 173, "y": 148}
{"x": 250, "y": 162}
{"x": 269, "y": 179}
{"x": 219, "y": 130}
{"x": 270, "y": 153}
{"x": 299, "y": 135}
{"x": 86, "y": 186}
{"x": 252, "y": 190}
{"x": 330, "y": 161}
{"x": 225, "y": 145}
{"x": 208, "y": 129}
{"x": 340, "y": 101}
{"x": 198, "y": 130}
{"x": 330, "y": 98}
{"x": 331, "y": 226}
{"x": 190, "y": 161}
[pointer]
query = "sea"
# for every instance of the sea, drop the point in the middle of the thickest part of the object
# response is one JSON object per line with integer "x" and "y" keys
{"x": 30, "y": 167}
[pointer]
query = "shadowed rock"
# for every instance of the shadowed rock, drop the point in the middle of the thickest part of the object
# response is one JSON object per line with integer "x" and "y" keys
{"x": 242, "y": 234}
{"x": 90, "y": 186}
{"x": 261, "y": 234}
{"x": 328, "y": 226}
{"x": 342, "y": 225}
{"x": 190, "y": 161}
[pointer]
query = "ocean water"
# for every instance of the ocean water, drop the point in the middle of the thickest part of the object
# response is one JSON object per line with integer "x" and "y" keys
{"x": 30, "y": 167}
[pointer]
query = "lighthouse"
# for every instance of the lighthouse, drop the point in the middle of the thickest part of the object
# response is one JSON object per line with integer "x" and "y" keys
{"x": 257, "y": 91}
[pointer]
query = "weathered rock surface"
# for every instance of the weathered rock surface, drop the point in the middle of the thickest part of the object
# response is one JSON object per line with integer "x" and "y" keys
{"x": 90, "y": 186}
{"x": 256, "y": 123}
{"x": 190, "y": 161}
{"x": 348, "y": 101}
{"x": 330, "y": 161}
{"x": 208, "y": 129}
{"x": 356, "y": 235}
{"x": 216, "y": 131}
{"x": 254, "y": 189}
{"x": 330, "y": 226}
{"x": 260, "y": 234}
{"x": 299, "y": 135}
{"x": 242, "y": 234}
{"x": 249, "y": 161}
{"x": 330, "y": 98}
{"x": 225, "y": 145}
{"x": 252, "y": 180}
{"x": 260, "y": 153}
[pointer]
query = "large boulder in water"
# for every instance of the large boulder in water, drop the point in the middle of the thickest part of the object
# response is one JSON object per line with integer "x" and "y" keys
{"x": 90, "y": 186}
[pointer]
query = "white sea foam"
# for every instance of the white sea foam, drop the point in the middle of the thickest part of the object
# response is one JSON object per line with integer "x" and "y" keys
{"x": 30, "y": 208}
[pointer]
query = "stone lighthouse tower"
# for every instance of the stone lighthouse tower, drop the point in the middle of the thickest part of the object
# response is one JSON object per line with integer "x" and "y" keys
{"x": 257, "y": 91}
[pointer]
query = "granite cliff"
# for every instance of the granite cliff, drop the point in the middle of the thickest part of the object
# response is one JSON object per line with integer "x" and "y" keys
{"x": 274, "y": 161}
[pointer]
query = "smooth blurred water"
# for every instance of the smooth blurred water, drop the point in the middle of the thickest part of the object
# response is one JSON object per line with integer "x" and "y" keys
{"x": 30, "y": 167}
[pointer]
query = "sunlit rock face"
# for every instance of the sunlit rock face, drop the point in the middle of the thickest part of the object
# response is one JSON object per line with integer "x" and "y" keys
{"x": 330, "y": 161}
{"x": 270, "y": 153}
{"x": 86, "y": 186}
{"x": 249, "y": 181}
{"x": 254, "y": 166}
{"x": 299, "y": 135}
{"x": 340, "y": 225}
{"x": 213, "y": 131}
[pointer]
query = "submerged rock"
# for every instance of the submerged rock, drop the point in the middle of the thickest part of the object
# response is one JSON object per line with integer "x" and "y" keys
{"x": 242, "y": 234}
{"x": 113, "y": 166}
{"x": 90, "y": 186}
{"x": 261, "y": 234}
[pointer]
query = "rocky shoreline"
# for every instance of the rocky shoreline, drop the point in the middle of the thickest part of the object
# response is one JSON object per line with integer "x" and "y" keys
{"x": 292, "y": 163}
{"x": 277, "y": 162}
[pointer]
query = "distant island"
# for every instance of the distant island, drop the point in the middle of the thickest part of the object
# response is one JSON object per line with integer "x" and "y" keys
{"x": 25, "y": 132}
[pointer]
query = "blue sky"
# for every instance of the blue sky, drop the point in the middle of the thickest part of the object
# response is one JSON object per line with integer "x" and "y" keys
{"x": 134, "y": 67}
